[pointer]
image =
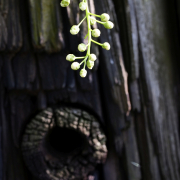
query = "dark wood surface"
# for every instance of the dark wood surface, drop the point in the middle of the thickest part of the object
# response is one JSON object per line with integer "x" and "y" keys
{"x": 134, "y": 88}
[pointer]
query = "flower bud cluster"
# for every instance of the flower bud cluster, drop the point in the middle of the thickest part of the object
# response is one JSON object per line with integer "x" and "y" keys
{"x": 89, "y": 59}
{"x": 90, "y": 62}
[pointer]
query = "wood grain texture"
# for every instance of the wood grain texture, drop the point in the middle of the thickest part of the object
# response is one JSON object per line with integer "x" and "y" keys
{"x": 77, "y": 163}
{"x": 157, "y": 124}
{"x": 160, "y": 103}
{"x": 141, "y": 70}
{"x": 46, "y": 25}
{"x": 11, "y": 31}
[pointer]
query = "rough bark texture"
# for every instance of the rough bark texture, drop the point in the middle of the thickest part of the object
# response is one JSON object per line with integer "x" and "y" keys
{"x": 71, "y": 155}
{"x": 134, "y": 90}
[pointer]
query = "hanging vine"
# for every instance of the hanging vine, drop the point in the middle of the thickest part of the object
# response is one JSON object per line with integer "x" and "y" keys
{"x": 89, "y": 59}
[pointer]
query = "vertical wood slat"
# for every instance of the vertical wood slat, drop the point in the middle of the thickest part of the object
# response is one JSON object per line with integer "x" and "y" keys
{"x": 53, "y": 71}
{"x": 19, "y": 72}
{"x": 1, "y": 131}
{"x": 157, "y": 90}
{"x": 131, "y": 153}
{"x": 113, "y": 73}
{"x": 157, "y": 130}
{"x": 113, "y": 60}
{"x": 7, "y": 75}
{"x": 11, "y": 31}
{"x": 13, "y": 166}
{"x": 129, "y": 39}
{"x": 115, "y": 93}
{"x": 46, "y": 25}
{"x": 25, "y": 71}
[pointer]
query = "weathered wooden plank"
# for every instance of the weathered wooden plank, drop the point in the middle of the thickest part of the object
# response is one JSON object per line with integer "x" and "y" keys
{"x": 1, "y": 68}
{"x": 113, "y": 75}
{"x": 57, "y": 96}
{"x": 129, "y": 39}
{"x": 41, "y": 101}
{"x": 1, "y": 129}
{"x": 46, "y": 25}
{"x": 59, "y": 70}
{"x": 25, "y": 71}
{"x": 26, "y": 26}
{"x": 46, "y": 72}
{"x": 7, "y": 159}
{"x": 53, "y": 71}
{"x": 111, "y": 168}
{"x": 11, "y": 32}
{"x": 157, "y": 86}
{"x": 113, "y": 60}
{"x": 8, "y": 75}
{"x": 129, "y": 36}
{"x": 22, "y": 106}
{"x": 91, "y": 98}
{"x": 149, "y": 161}
{"x": 114, "y": 88}
{"x": 131, "y": 153}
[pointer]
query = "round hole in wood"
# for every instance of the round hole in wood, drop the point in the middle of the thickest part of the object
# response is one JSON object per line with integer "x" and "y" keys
{"x": 64, "y": 140}
{"x": 51, "y": 128}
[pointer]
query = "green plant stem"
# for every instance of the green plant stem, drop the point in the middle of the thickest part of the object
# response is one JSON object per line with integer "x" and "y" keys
{"x": 95, "y": 15}
{"x": 96, "y": 42}
{"x": 89, "y": 36}
{"x": 81, "y": 21}
{"x": 84, "y": 60}
{"x": 89, "y": 30}
{"x": 87, "y": 45}
{"x": 86, "y": 36}
{"x": 80, "y": 57}
{"x": 84, "y": 65}
{"x": 100, "y": 22}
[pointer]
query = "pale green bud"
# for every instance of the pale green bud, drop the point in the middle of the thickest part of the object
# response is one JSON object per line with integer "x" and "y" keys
{"x": 65, "y": 3}
{"x": 108, "y": 25}
{"x": 82, "y": 47}
{"x": 105, "y": 17}
{"x": 83, "y": 6}
{"x": 70, "y": 57}
{"x": 96, "y": 33}
{"x": 92, "y": 20}
{"x": 90, "y": 64}
{"x": 75, "y": 66}
{"x": 74, "y": 30}
{"x": 83, "y": 73}
{"x": 92, "y": 57}
{"x": 106, "y": 46}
